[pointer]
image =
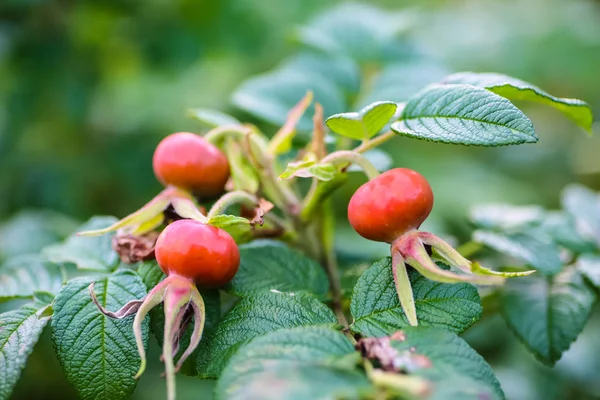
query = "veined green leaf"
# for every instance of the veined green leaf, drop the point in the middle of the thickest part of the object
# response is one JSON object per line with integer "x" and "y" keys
{"x": 24, "y": 275}
{"x": 20, "y": 330}
{"x": 377, "y": 311}
{"x": 254, "y": 316}
{"x": 515, "y": 89}
{"x": 548, "y": 313}
{"x": 364, "y": 124}
{"x": 306, "y": 359}
{"x": 90, "y": 253}
{"x": 464, "y": 114}
{"x": 539, "y": 251}
{"x": 265, "y": 266}
{"x": 98, "y": 354}
{"x": 457, "y": 371}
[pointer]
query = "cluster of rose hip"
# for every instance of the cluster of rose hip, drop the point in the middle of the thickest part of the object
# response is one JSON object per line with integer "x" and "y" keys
{"x": 389, "y": 208}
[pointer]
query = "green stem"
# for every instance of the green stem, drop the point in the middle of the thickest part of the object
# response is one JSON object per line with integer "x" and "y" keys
{"x": 318, "y": 193}
{"x": 376, "y": 141}
{"x": 229, "y": 199}
{"x": 352, "y": 157}
{"x": 331, "y": 264}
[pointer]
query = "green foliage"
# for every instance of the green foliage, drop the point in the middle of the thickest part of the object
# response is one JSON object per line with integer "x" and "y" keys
{"x": 548, "y": 313}
{"x": 278, "y": 340}
{"x": 516, "y": 89}
{"x": 98, "y": 354}
{"x": 29, "y": 231}
{"x": 23, "y": 276}
{"x": 536, "y": 251}
{"x": 464, "y": 114}
{"x": 377, "y": 311}
{"x": 307, "y": 362}
{"x": 457, "y": 371}
{"x": 254, "y": 316}
{"x": 212, "y": 118}
{"x": 268, "y": 266}
{"x": 364, "y": 124}
{"x": 19, "y": 332}
{"x": 87, "y": 253}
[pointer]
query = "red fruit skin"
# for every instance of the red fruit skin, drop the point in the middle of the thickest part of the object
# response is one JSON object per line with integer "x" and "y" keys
{"x": 188, "y": 161}
{"x": 390, "y": 205}
{"x": 205, "y": 254}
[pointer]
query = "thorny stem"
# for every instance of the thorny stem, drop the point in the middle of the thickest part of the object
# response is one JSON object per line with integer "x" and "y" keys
{"x": 231, "y": 198}
{"x": 347, "y": 156}
{"x": 376, "y": 141}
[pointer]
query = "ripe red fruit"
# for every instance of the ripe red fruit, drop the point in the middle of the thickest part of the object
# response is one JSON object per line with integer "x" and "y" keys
{"x": 390, "y": 205}
{"x": 188, "y": 161}
{"x": 205, "y": 254}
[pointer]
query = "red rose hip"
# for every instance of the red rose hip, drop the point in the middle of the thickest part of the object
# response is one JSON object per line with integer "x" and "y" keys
{"x": 188, "y": 161}
{"x": 205, "y": 254}
{"x": 390, "y": 205}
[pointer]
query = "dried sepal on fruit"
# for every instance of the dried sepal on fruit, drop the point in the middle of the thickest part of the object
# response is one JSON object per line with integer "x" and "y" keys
{"x": 390, "y": 208}
{"x": 190, "y": 253}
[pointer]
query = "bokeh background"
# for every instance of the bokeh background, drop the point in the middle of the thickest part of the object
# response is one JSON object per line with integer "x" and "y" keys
{"x": 88, "y": 88}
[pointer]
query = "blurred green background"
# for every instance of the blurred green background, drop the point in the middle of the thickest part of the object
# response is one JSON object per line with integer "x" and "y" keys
{"x": 88, "y": 88}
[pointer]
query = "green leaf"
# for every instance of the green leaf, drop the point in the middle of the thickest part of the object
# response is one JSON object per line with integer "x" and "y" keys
{"x": 399, "y": 81}
{"x": 548, "y": 314}
{"x": 31, "y": 230}
{"x": 562, "y": 228}
{"x": 300, "y": 382}
{"x": 299, "y": 349}
{"x": 589, "y": 265}
{"x": 457, "y": 371}
{"x": 265, "y": 266}
{"x": 24, "y": 275}
{"x": 270, "y": 97}
{"x": 464, "y": 114}
{"x": 212, "y": 118}
{"x": 254, "y": 316}
{"x": 505, "y": 216}
{"x": 151, "y": 275}
{"x": 89, "y": 253}
{"x": 20, "y": 330}
{"x": 377, "y": 311}
{"x": 357, "y": 31}
{"x": 539, "y": 251}
{"x": 584, "y": 205}
{"x": 224, "y": 221}
{"x": 341, "y": 71}
{"x": 98, "y": 354}
{"x": 364, "y": 124}
{"x": 515, "y": 89}
{"x": 301, "y": 360}
{"x": 310, "y": 169}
